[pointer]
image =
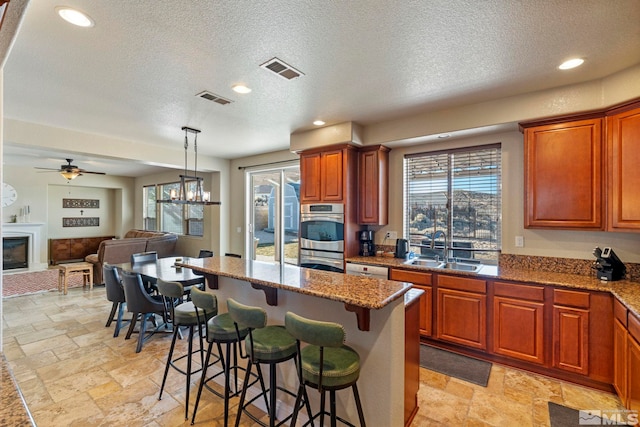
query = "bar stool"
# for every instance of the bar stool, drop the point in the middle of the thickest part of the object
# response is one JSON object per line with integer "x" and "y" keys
{"x": 267, "y": 345}
{"x": 182, "y": 314}
{"x": 220, "y": 330}
{"x": 325, "y": 363}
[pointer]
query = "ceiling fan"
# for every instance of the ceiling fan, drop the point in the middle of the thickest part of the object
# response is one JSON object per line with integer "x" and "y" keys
{"x": 70, "y": 171}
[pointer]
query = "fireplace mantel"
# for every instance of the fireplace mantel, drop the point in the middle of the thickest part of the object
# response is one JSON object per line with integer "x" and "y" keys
{"x": 34, "y": 231}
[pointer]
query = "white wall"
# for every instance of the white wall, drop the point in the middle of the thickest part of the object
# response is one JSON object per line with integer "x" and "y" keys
{"x": 55, "y": 211}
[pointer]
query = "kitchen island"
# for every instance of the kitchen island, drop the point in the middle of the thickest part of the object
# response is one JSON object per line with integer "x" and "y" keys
{"x": 375, "y": 331}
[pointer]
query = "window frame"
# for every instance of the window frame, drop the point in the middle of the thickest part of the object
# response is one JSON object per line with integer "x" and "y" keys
{"x": 188, "y": 213}
{"x": 450, "y": 180}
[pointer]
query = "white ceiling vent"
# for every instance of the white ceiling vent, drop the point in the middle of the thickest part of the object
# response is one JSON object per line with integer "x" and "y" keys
{"x": 282, "y": 69}
{"x": 213, "y": 97}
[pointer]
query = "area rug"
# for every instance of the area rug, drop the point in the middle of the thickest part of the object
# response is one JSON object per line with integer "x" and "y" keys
{"x": 32, "y": 282}
{"x": 455, "y": 365}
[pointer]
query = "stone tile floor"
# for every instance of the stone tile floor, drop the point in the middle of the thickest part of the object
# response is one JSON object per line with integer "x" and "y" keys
{"x": 72, "y": 372}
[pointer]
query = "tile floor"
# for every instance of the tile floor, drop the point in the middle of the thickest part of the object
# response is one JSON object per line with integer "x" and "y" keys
{"x": 73, "y": 373}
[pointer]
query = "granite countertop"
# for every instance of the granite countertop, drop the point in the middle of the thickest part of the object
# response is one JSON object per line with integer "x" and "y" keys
{"x": 13, "y": 411}
{"x": 627, "y": 291}
{"x": 368, "y": 293}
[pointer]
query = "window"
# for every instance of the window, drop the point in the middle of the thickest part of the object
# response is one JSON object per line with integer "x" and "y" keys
{"x": 457, "y": 192}
{"x": 179, "y": 219}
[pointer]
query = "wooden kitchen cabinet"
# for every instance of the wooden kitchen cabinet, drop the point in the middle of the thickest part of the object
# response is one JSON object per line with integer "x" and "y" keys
{"x": 373, "y": 185}
{"x": 623, "y": 132}
{"x": 620, "y": 360}
{"x": 422, "y": 281}
{"x": 325, "y": 174}
{"x": 462, "y": 311}
{"x": 571, "y": 331}
{"x": 564, "y": 175}
{"x": 518, "y": 321}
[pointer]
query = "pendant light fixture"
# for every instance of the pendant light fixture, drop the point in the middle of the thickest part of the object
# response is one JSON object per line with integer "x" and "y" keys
{"x": 184, "y": 195}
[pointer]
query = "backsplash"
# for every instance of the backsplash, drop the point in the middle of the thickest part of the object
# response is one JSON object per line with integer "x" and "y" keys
{"x": 583, "y": 267}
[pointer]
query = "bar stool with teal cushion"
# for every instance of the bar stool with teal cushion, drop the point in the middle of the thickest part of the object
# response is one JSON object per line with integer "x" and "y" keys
{"x": 183, "y": 313}
{"x": 268, "y": 345}
{"x": 326, "y": 364}
{"x": 220, "y": 330}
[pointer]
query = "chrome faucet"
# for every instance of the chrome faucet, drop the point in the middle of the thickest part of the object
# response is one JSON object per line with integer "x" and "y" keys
{"x": 442, "y": 234}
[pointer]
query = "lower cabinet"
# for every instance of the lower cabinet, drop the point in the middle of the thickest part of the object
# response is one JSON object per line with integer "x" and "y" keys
{"x": 626, "y": 356}
{"x": 571, "y": 331}
{"x": 518, "y": 321}
{"x": 620, "y": 358}
{"x": 633, "y": 374}
{"x": 462, "y": 311}
{"x": 422, "y": 281}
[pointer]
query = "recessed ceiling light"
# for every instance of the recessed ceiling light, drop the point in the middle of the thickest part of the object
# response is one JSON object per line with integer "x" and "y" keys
{"x": 444, "y": 136}
{"x": 240, "y": 88}
{"x": 318, "y": 123}
{"x": 75, "y": 17}
{"x": 572, "y": 63}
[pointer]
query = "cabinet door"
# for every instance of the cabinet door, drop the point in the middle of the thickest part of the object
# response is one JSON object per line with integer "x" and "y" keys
{"x": 373, "y": 182}
{"x": 310, "y": 177}
{"x": 462, "y": 318}
{"x": 571, "y": 339}
{"x": 624, "y": 174}
{"x": 331, "y": 178}
{"x": 518, "y": 329}
{"x": 563, "y": 175}
{"x": 633, "y": 372}
{"x": 620, "y": 360}
{"x": 421, "y": 281}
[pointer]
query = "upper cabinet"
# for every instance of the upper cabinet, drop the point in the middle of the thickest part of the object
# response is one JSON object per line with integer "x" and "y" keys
{"x": 581, "y": 172}
{"x": 563, "y": 175}
{"x": 373, "y": 185}
{"x": 346, "y": 174}
{"x": 623, "y": 132}
{"x": 324, "y": 174}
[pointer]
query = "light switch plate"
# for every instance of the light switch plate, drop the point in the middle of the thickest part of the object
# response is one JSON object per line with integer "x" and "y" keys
{"x": 519, "y": 241}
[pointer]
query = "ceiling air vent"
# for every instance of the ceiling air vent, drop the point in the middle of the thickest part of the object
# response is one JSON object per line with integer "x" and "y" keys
{"x": 215, "y": 98}
{"x": 282, "y": 69}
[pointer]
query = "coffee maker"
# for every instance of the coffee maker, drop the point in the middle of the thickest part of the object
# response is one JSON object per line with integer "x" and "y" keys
{"x": 366, "y": 243}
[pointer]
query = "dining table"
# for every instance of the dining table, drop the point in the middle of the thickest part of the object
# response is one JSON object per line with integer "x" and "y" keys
{"x": 164, "y": 269}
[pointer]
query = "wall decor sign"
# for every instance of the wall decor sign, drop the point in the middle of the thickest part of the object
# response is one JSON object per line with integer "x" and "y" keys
{"x": 81, "y": 222}
{"x": 81, "y": 203}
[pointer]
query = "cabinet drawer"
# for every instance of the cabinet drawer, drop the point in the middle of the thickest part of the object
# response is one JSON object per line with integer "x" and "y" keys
{"x": 620, "y": 312}
{"x": 532, "y": 293}
{"x": 634, "y": 327}
{"x": 416, "y": 277}
{"x": 462, "y": 284}
{"x": 571, "y": 298}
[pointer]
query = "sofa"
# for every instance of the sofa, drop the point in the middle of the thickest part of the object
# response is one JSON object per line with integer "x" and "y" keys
{"x": 119, "y": 251}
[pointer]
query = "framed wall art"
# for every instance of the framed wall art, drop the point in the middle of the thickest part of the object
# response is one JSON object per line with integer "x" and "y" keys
{"x": 81, "y": 203}
{"x": 81, "y": 222}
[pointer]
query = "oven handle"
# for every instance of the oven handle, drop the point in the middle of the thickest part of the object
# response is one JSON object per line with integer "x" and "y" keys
{"x": 331, "y": 218}
{"x": 313, "y": 259}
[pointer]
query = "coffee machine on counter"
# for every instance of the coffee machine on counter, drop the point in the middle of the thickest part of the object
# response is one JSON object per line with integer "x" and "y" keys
{"x": 367, "y": 247}
{"x": 608, "y": 265}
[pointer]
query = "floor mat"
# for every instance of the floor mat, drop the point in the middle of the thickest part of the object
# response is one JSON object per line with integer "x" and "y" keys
{"x": 455, "y": 365}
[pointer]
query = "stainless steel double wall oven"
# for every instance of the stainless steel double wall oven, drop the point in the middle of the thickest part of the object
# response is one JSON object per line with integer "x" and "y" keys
{"x": 322, "y": 236}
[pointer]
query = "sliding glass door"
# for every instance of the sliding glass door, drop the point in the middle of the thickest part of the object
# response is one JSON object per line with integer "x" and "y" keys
{"x": 274, "y": 214}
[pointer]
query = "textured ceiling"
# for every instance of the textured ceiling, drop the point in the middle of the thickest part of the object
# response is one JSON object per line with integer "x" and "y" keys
{"x": 135, "y": 75}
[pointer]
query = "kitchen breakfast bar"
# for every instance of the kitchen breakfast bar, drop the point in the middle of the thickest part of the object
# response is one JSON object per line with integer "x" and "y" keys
{"x": 372, "y": 312}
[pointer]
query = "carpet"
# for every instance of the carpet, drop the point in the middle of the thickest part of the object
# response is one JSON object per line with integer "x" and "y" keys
{"x": 455, "y": 365}
{"x": 32, "y": 282}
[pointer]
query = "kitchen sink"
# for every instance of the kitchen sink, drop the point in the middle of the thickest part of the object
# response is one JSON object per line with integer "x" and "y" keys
{"x": 451, "y": 265}
{"x": 461, "y": 266}
{"x": 429, "y": 263}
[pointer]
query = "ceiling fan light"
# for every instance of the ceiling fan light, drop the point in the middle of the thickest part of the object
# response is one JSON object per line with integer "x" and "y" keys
{"x": 69, "y": 175}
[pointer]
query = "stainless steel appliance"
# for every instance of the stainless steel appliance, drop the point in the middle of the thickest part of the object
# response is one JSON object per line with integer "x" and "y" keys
{"x": 374, "y": 271}
{"x": 322, "y": 236}
{"x": 366, "y": 243}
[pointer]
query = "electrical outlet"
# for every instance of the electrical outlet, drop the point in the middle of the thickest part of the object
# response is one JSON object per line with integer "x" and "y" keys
{"x": 238, "y": 229}
{"x": 519, "y": 241}
{"x": 392, "y": 235}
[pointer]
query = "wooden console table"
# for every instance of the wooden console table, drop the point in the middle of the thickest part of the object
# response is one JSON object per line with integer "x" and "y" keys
{"x": 74, "y": 249}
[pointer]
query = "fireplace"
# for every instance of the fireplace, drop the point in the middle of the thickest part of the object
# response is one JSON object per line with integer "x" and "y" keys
{"x": 15, "y": 252}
